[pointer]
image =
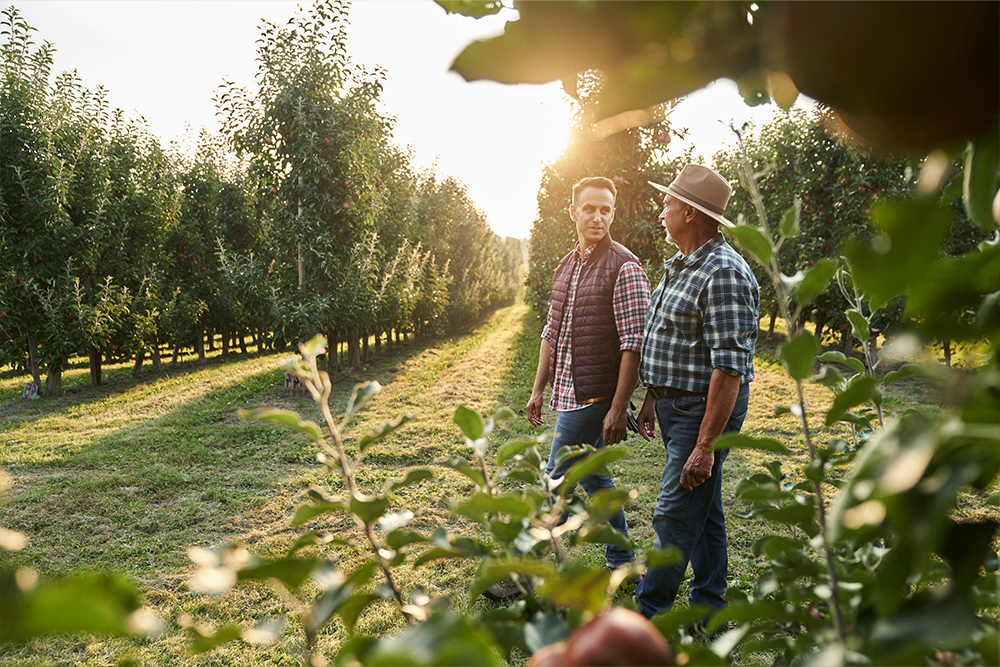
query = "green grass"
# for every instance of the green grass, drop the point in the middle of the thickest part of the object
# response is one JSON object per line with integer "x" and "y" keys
{"x": 131, "y": 474}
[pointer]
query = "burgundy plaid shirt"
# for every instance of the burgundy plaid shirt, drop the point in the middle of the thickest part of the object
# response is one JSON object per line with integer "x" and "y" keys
{"x": 630, "y": 301}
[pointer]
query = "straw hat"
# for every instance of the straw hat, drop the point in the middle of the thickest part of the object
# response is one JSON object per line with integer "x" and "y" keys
{"x": 702, "y": 188}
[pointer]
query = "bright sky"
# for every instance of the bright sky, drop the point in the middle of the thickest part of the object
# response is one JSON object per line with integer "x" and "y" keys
{"x": 162, "y": 59}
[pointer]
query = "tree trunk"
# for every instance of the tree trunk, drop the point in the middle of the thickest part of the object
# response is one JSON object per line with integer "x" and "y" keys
{"x": 95, "y": 367}
{"x": 332, "y": 356}
{"x": 157, "y": 362}
{"x": 53, "y": 383}
{"x": 820, "y": 325}
{"x": 946, "y": 348}
{"x": 199, "y": 341}
{"x": 364, "y": 349}
{"x": 225, "y": 343}
{"x": 243, "y": 341}
{"x": 177, "y": 351}
{"x": 846, "y": 342}
{"x": 210, "y": 338}
{"x": 139, "y": 356}
{"x": 770, "y": 325}
{"x": 36, "y": 376}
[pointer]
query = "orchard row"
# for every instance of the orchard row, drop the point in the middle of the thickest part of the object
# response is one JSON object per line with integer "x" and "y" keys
{"x": 300, "y": 217}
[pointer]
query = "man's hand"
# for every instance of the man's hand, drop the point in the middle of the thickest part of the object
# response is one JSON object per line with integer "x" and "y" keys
{"x": 533, "y": 410}
{"x": 615, "y": 426}
{"x": 698, "y": 467}
{"x": 647, "y": 417}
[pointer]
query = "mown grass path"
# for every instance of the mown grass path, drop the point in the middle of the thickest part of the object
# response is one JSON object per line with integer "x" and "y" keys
{"x": 131, "y": 474}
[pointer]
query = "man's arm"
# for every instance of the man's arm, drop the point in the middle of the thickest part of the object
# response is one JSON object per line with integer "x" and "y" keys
{"x": 722, "y": 391}
{"x": 533, "y": 409}
{"x": 615, "y": 421}
{"x": 630, "y": 301}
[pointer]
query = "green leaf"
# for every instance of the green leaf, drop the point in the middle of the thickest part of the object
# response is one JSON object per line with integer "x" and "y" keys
{"x": 310, "y": 539}
{"x": 656, "y": 557}
{"x": 443, "y": 639}
{"x": 306, "y": 513}
{"x": 905, "y": 371}
{"x": 470, "y": 422}
{"x": 363, "y": 392}
{"x": 314, "y": 347}
{"x": 980, "y": 179}
{"x": 594, "y": 463}
{"x": 773, "y": 546}
{"x": 814, "y": 281}
{"x": 741, "y": 441}
{"x": 790, "y": 221}
{"x": 290, "y": 571}
{"x": 368, "y": 509}
{"x": 84, "y": 603}
{"x": 203, "y": 643}
{"x": 603, "y": 534}
{"x": 840, "y": 358}
{"x": 481, "y": 504}
{"x": 829, "y": 377}
{"x": 543, "y": 629}
{"x": 859, "y": 390}
{"x": 792, "y": 514}
{"x": 285, "y": 418}
{"x": 798, "y": 355}
{"x": 367, "y": 441}
{"x": 401, "y": 538}
{"x": 898, "y": 257}
{"x": 859, "y": 325}
{"x": 476, "y": 9}
{"x": 754, "y": 242}
{"x": 413, "y": 476}
{"x": 352, "y": 607}
{"x": 577, "y": 587}
{"x": 459, "y": 464}
{"x": 512, "y": 448}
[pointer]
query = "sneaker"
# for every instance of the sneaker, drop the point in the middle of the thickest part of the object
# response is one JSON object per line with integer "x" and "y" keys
{"x": 503, "y": 590}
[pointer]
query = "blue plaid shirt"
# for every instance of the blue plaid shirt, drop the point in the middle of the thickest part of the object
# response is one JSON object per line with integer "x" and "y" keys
{"x": 702, "y": 315}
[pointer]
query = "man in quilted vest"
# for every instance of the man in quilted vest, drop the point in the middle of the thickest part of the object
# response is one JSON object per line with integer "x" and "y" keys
{"x": 590, "y": 345}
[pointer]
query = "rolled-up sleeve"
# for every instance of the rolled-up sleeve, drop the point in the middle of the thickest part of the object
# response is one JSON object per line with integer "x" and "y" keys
{"x": 730, "y": 322}
{"x": 631, "y": 300}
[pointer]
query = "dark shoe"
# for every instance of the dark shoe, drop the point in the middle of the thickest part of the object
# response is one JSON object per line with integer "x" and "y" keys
{"x": 632, "y": 579}
{"x": 503, "y": 590}
{"x": 700, "y": 629}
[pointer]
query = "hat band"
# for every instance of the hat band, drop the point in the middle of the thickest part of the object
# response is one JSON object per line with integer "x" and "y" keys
{"x": 698, "y": 200}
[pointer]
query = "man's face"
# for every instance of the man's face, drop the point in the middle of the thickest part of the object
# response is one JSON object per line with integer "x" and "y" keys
{"x": 671, "y": 217}
{"x": 593, "y": 212}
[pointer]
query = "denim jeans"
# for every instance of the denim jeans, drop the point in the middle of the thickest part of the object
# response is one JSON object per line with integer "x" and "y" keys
{"x": 692, "y": 521}
{"x": 576, "y": 427}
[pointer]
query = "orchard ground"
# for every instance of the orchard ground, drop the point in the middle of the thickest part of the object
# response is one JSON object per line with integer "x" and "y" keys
{"x": 129, "y": 475}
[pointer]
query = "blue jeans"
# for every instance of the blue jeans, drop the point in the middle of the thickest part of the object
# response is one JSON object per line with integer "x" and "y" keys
{"x": 577, "y": 427}
{"x": 692, "y": 521}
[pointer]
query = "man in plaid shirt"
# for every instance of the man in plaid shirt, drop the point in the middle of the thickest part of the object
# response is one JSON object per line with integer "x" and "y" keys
{"x": 590, "y": 344}
{"x": 697, "y": 363}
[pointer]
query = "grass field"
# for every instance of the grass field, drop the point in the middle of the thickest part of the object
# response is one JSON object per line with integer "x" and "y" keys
{"x": 129, "y": 475}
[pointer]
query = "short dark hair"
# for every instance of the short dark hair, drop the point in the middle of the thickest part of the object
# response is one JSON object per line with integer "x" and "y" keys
{"x": 595, "y": 182}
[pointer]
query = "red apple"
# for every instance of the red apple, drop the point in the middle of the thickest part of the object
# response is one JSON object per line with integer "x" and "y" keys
{"x": 355, "y": 197}
{"x": 346, "y": 204}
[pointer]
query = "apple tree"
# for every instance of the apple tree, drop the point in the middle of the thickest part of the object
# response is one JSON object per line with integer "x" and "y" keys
{"x": 315, "y": 141}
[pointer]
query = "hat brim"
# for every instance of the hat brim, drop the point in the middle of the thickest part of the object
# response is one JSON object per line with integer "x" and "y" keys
{"x": 673, "y": 193}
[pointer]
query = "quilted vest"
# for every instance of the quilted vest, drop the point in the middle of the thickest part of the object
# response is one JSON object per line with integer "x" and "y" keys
{"x": 595, "y": 344}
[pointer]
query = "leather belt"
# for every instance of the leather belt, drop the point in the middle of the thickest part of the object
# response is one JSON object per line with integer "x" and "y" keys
{"x": 671, "y": 392}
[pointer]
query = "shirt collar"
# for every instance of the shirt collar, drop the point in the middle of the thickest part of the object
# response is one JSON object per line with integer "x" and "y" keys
{"x": 696, "y": 257}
